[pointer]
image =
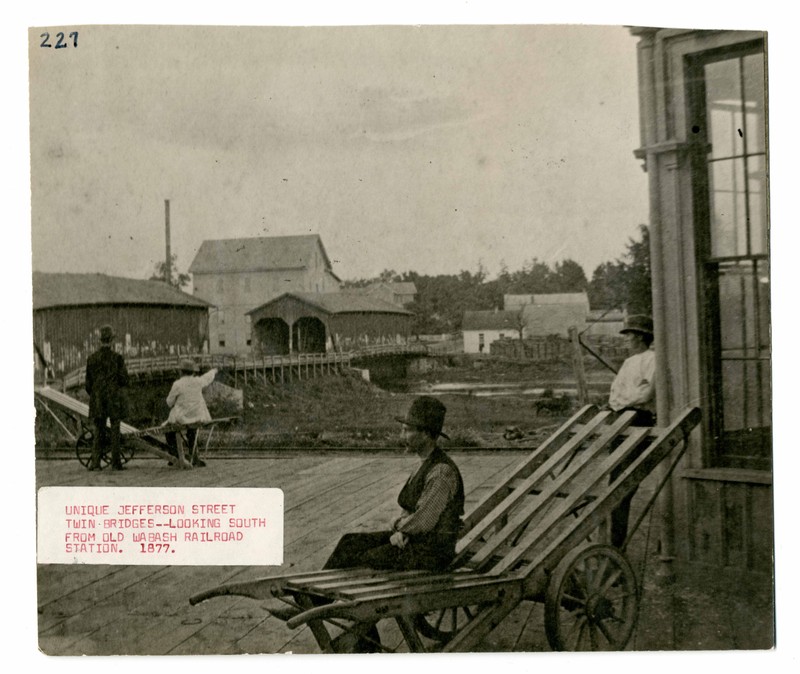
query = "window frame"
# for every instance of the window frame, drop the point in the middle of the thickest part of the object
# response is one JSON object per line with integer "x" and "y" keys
{"x": 709, "y": 266}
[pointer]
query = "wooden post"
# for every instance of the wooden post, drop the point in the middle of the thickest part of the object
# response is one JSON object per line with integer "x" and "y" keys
{"x": 168, "y": 260}
{"x": 577, "y": 366}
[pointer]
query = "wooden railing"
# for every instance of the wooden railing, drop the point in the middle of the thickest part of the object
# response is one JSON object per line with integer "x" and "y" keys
{"x": 280, "y": 367}
{"x": 274, "y": 368}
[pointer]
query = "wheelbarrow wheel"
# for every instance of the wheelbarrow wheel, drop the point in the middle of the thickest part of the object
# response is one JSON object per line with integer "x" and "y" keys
{"x": 83, "y": 449}
{"x": 83, "y": 446}
{"x": 126, "y": 451}
{"x": 443, "y": 624}
{"x": 592, "y": 601}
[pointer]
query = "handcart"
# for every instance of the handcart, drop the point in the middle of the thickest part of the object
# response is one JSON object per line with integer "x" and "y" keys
{"x": 75, "y": 414}
{"x": 537, "y": 537}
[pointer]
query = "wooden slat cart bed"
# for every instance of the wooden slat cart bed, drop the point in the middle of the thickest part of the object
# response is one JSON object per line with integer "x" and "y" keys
{"x": 539, "y": 537}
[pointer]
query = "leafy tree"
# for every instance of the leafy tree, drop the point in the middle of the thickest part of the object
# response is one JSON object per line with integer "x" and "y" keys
{"x": 626, "y": 282}
{"x": 569, "y": 277}
{"x": 178, "y": 280}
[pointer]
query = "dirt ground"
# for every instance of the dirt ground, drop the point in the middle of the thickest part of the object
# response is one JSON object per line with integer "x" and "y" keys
{"x": 348, "y": 411}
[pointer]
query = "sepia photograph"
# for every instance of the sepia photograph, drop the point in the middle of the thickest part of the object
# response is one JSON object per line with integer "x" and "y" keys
{"x": 401, "y": 338}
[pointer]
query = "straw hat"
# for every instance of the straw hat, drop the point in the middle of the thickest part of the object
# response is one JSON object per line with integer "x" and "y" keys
{"x": 638, "y": 323}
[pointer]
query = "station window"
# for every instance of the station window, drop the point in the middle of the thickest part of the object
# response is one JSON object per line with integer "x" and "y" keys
{"x": 728, "y": 127}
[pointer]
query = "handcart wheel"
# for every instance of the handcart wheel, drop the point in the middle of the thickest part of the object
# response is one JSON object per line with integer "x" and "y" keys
{"x": 592, "y": 601}
{"x": 126, "y": 451}
{"x": 83, "y": 449}
{"x": 83, "y": 446}
{"x": 443, "y": 624}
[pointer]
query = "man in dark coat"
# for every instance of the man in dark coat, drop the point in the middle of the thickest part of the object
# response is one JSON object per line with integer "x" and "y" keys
{"x": 424, "y": 535}
{"x": 106, "y": 376}
{"x": 432, "y": 502}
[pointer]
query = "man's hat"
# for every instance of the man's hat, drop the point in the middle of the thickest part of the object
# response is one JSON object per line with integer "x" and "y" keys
{"x": 426, "y": 414}
{"x": 106, "y": 334}
{"x": 187, "y": 365}
{"x": 638, "y": 323}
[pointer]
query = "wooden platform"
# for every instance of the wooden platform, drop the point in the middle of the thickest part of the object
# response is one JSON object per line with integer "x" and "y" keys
{"x": 105, "y": 610}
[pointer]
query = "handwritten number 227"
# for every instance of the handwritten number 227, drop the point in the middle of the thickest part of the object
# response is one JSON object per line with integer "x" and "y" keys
{"x": 60, "y": 44}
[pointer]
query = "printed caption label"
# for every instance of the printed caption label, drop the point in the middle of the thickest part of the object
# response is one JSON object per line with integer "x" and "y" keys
{"x": 168, "y": 526}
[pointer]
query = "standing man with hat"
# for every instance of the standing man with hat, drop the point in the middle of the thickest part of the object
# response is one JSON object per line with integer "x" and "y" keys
{"x": 106, "y": 377}
{"x": 187, "y": 405}
{"x": 633, "y": 389}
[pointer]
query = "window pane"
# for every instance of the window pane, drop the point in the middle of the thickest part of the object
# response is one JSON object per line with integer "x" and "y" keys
{"x": 736, "y": 310}
{"x": 734, "y": 399}
{"x": 764, "y": 307}
{"x": 754, "y": 97}
{"x": 755, "y": 416}
{"x": 724, "y": 108}
{"x": 746, "y": 401}
{"x": 766, "y": 389}
{"x": 728, "y": 208}
{"x": 757, "y": 187}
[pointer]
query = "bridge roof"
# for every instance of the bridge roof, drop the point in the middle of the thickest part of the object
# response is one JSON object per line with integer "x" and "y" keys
{"x": 62, "y": 289}
{"x": 491, "y": 320}
{"x": 339, "y": 303}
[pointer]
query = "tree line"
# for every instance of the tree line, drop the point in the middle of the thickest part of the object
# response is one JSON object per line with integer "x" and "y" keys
{"x": 442, "y": 299}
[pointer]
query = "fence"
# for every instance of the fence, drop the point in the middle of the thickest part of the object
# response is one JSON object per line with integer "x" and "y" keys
{"x": 553, "y": 348}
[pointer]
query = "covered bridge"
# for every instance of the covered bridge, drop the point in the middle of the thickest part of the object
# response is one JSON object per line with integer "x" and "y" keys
{"x": 150, "y": 318}
{"x": 322, "y": 322}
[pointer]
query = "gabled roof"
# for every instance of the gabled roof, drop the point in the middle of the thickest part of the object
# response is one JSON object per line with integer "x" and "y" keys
{"x": 384, "y": 287}
{"x": 266, "y": 253}
{"x": 491, "y": 320}
{"x": 561, "y": 298}
{"x": 60, "y": 290}
{"x": 606, "y": 316}
{"x": 340, "y": 303}
{"x": 545, "y": 298}
{"x": 403, "y": 287}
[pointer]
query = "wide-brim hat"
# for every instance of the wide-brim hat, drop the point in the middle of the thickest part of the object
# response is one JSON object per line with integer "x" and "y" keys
{"x": 426, "y": 414}
{"x": 188, "y": 365}
{"x": 106, "y": 333}
{"x": 638, "y": 324}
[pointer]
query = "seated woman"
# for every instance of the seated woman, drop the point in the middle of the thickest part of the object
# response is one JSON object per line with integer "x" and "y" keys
{"x": 187, "y": 405}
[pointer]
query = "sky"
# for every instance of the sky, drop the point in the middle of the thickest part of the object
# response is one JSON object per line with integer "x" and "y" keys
{"x": 435, "y": 149}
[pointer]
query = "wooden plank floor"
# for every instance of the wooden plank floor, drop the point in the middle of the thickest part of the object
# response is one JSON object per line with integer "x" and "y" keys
{"x": 105, "y": 610}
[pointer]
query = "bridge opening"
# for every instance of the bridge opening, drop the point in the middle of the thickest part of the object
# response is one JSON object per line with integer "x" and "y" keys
{"x": 272, "y": 337}
{"x": 308, "y": 335}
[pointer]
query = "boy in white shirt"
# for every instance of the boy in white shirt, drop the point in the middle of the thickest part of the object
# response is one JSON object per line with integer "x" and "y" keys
{"x": 187, "y": 405}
